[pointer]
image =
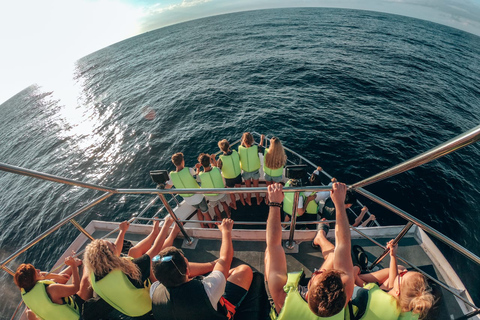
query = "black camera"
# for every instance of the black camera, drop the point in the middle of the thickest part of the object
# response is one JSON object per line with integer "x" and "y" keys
{"x": 160, "y": 177}
{"x": 297, "y": 173}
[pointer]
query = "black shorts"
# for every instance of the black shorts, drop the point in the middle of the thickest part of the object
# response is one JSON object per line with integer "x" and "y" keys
{"x": 234, "y": 293}
{"x": 232, "y": 182}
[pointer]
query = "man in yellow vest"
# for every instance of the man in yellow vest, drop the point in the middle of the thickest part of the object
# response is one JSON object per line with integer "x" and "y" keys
{"x": 330, "y": 288}
{"x": 183, "y": 178}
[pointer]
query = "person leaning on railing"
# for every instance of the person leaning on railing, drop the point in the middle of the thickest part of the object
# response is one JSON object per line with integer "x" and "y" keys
{"x": 229, "y": 163}
{"x": 250, "y": 163}
{"x": 47, "y": 295}
{"x": 274, "y": 161}
{"x": 183, "y": 178}
{"x": 124, "y": 282}
{"x": 179, "y": 296}
{"x": 211, "y": 177}
{"x": 394, "y": 292}
{"x": 330, "y": 288}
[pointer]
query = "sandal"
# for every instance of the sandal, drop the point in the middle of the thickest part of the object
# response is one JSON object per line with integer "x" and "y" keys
{"x": 359, "y": 258}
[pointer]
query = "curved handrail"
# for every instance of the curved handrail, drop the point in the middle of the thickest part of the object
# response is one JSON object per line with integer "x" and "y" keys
{"x": 460, "y": 141}
{"x": 50, "y": 177}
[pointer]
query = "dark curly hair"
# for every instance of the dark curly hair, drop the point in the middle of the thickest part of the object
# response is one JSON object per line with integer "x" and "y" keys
{"x": 25, "y": 277}
{"x": 326, "y": 295}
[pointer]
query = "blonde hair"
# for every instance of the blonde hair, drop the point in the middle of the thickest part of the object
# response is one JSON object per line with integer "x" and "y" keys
{"x": 101, "y": 260}
{"x": 275, "y": 157}
{"x": 415, "y": 295}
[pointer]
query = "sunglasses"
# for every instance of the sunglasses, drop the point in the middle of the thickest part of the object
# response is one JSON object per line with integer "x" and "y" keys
{"x": 158, "y": 258}
{"x": 315, "y": 273}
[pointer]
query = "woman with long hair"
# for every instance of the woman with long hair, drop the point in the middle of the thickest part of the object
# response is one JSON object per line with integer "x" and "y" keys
{"x": 274, "y": 161}
{"x": 123, "y": 282}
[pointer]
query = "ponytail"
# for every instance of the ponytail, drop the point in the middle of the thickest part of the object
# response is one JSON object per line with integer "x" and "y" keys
{"x": 415, "y": 295}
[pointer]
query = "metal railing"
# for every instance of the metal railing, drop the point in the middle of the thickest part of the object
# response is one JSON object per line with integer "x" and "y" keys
{"x": 435, "y": 153}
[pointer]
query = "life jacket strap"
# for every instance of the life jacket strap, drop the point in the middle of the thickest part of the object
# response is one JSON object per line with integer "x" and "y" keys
{"x": 229, "y": 307}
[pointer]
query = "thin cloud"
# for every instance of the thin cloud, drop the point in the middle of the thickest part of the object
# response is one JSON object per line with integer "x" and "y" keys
{"x": 159, "y": 8}
{"x": 461, "y": 14}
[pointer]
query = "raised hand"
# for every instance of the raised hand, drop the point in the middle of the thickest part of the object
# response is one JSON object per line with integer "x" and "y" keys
{"x": 71, "y": 261}
{"x": 393, "y": 248}
{"x": 124, "y": 226}
{"x": 338, "y": 193}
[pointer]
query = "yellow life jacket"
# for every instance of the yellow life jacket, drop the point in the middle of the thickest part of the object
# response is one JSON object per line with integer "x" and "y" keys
{"x": 380, "y": 305}
{"x": 408, "y": 316}
{"x": 230, "y": 165}
{"x": 288, "y": 200}
{"x": 212, "y": 179}
{"x": 312, "y": 207}
{"x": 271, "y": 172}
{"x": 295, "y": 307}
{"x": 249, "y": 160}
{"x": 39, "y": 302}
{"x": 184, "y": 180}
{"x": 117, "y": 290}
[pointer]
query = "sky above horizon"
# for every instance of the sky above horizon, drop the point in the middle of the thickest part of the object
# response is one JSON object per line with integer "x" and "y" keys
{"x": 40, "y": 40}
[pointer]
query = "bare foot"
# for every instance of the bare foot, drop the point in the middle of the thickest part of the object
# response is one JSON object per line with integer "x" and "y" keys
{"x": 259, "y": 200}
{"x": 249, "y": 201}
{"x": 156, "y": 225}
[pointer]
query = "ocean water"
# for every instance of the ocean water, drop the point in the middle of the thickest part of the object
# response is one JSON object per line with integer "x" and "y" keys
{"x": 353, "y": 91}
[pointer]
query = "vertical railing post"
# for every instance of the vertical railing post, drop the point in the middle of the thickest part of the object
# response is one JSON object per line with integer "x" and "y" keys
{"x": 174, "y": 216}
{"x": 395, "y": 241}
{"x": 8, "y": 270}
{"x": 290, "y": 243}
{"x": 82, "y": 230}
